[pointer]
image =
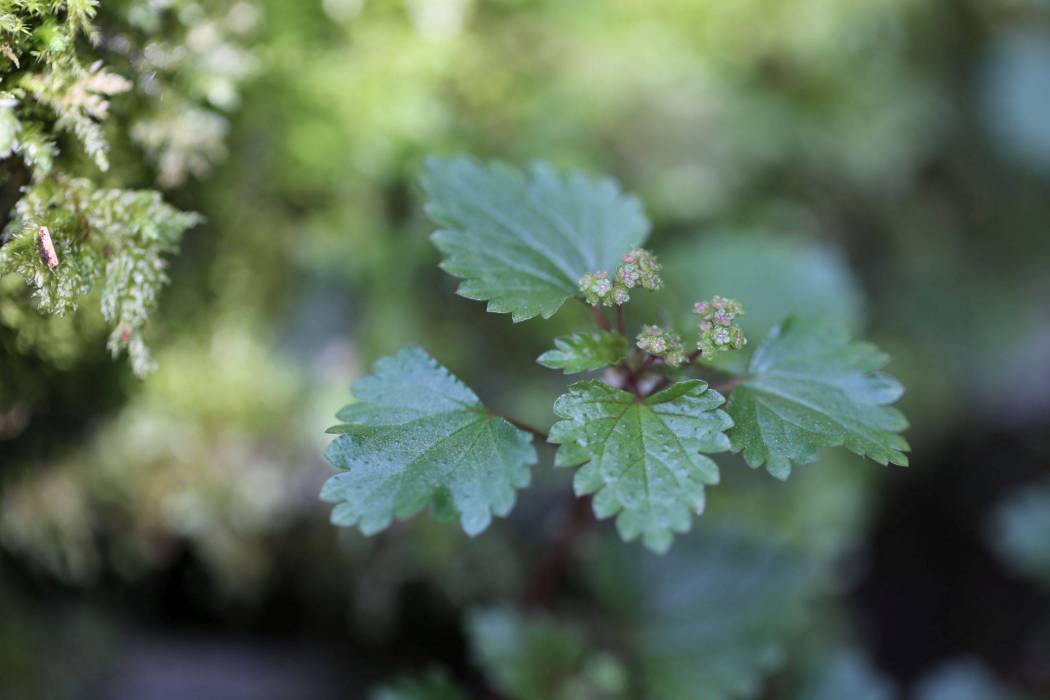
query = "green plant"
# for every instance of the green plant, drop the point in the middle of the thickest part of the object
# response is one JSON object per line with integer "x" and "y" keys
{"x": 73, "y": 227}
{"x": 640, "y": 436}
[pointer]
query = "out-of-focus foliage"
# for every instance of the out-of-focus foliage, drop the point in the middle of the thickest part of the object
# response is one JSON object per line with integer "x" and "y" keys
{"x": 1020, "y": 531}
{"x": 539, "y": 657}
{"x": 847, "y": 675}
{"x": 964, "y": 679}
{"x": 56, "y": 82}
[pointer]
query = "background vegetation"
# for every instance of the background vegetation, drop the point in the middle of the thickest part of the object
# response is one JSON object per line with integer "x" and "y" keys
{"x": 886, "y": 163}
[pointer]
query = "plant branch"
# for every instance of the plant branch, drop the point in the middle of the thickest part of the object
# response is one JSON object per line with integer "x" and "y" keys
{"x": 728, "y": 386}
{"x": 620, "y": 326}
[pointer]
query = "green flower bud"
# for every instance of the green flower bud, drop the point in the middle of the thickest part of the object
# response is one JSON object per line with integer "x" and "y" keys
{"x": 718, "y": 332}
{"x": 598, "y": 289}
{"x": 662, "y": 343}
{"x": 640, "y": 268}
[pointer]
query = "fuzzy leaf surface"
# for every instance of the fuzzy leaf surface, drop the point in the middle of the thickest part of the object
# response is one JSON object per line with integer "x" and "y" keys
{"x": 809, "y": 386}
{"x": 642, "y": 459}
{"x": 419, "y": 436}
{"x": 582, "y": 352}
{"x": 522, "y": 240}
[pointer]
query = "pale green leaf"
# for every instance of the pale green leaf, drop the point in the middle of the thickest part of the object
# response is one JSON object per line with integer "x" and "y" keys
{"x": 809, "y": 386}
{"x": 716, "y": 613}
{"x": 522, "y": 240}
{"x": 418, "y": 436}
{"x": 642, "y": 458}
{"x": 582, "y": 352}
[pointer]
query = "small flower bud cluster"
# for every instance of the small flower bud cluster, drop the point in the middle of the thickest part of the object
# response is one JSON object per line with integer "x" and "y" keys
{"x": 662, "y": 343}
{"x": 640, "y": 269}
{"x": 718, "y": 332}
{"x": 598, "y": 289}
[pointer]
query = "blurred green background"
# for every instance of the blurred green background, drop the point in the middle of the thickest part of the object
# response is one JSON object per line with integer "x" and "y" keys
{"x": 884, "y": 163}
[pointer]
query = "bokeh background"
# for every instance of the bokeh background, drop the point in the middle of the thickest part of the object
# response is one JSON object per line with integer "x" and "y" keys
{"x": 883, "y": 163}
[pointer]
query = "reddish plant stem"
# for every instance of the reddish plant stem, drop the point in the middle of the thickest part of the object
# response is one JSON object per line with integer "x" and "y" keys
{"x": 551, "y": 570}
{"x": 620, "y": 325}
{"x": 728, "y": 386}
{"x": 599, "y": 317}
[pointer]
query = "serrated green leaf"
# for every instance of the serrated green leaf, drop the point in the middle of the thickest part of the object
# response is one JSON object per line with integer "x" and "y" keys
{"x": 808, "y": 387}
{"x": 582, "y": 352}
{"x": 540, "y": 657}
{"x": 716, "y": 613}
{"x": 642, "y": 458}
{"x": 522, "y": 240}
{"x": 418, "y": 436}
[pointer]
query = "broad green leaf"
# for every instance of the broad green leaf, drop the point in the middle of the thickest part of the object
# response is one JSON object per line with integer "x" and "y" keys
{"x": 540, "y": 657}
{"x": 807, "y": 387}
{"x": 522, "y": 240}
{"x": 432, "y": 684}
{"x": 1021, "y": 531}
{"x": 418, "y": 436}
{"x": 715, "y": 614}
{"x": 581, "y": 352}
{"x": 642, "y": 458}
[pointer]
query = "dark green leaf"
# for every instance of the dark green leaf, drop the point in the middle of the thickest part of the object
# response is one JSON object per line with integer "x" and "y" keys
{"x": 642, "y": 458}
{"x": 521, "y": 241}
{"x": 582, "y": 352}
{"x": 419, "y": 436}
{"x": 808, "y": 386}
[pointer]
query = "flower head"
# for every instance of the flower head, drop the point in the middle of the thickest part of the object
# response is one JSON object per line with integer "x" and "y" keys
{"x": 598, "y": 289}
{"x": 640, "y": 268}
{"x": 662, "y": 343}
{"x": 718, "y": 330}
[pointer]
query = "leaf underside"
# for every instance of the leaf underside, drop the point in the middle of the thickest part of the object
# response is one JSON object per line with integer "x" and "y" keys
{"x": 808, "y": 387}
{"x": 583, "y": 352}
{"x": 522, "y": 240}
{"x": 418, "y": 436}
{"x": 642, "y": 459}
